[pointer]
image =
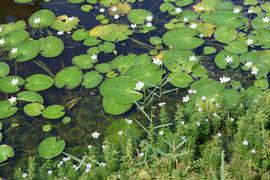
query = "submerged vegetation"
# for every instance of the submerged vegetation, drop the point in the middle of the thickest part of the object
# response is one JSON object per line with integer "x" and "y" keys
{"x": 181, "y": 91}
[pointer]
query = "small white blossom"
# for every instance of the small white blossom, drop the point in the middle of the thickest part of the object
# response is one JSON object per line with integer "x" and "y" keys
{"x": 129, "y": 121}
{"x": 149, "y": 24}
{"x": 50, "y": 172}
{"x": 24, "y": 175}
{"x": 236, "y": 10}
{"x": 89, "y": 146}
{"x": 248, "y": 64}
{"x": 183, "y": 138}
{"x": 224, "y": 79}
{"x": 101, "y": 10}
{"x": 201, "y": 8}
{"x": 116, "y": 16}
{"x": 192, "y": 91}
{"x": 157, "y": 61}
{"x": 12, "y": 100}
{"x": 14, "y": 50}
{"x": 102, "y": 164}
{"x": 133, "y": 26}
{"x": 186, "y": 98}
{"x": 71, "y": 18}
{"x": 161, "y": 104}
{"x": 182, "y": 122}
{"x": 198, "y": 124}
{"x": 229, "y": 59}
{"x": 141, "y": 154}
{"x": 103, "y": 147}
{"x": 2, "y": 41}
{"x": 265, "y": 20}
{"x": 203, "y": 98}
{"x": 113, "y": 9}
{"x": 185, "y": 19}
{"x": 219, "y": 134}
{"x": 178, "y": 10}
{"x": 201, "y": 35}
{"x": 14, "y": 81}
{"x": 95, "y": 135}
{"x": 139, "y": 86}
{"x": 215, "y": 114}
{"x": 60, "y": 33}
{"x": 254, "y": 71}
{"x": 149, "y": 18}
{"x": 250, "y": 41}
{"x": 200, "y": 109}
{"x": 161, "y": 133}
{"x": 120, "y": 133}
{"x": 231, "y": 119}
{"x": 94, "y": 57}
{"x": 37, "y": 20}
{"x": 193, "y": 26}
{"x": 245, "y": 142}
{"x": 250, "y": 11}
{"x": 253, "y": 151}
{"x": 192, "y": 58}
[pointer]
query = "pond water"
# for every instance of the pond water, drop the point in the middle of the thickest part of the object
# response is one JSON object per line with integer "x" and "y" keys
{"x": 25, "y": 133}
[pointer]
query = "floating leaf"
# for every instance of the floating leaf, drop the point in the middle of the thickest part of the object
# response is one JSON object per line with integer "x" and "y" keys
{"x": 91, "y": 79}
{"x": 42, "y": 19}
{"x": 38, "y": 82}
{"x": 51, "y": 147}
{"x": 51, "y": 46}
{"x": 33, "y": 109}
{"x": 69, "y": 77}
{"x": 6, "y": 152}
{"x": 53, "y": 112}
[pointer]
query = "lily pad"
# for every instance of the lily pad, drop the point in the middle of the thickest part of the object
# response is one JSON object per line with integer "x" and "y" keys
{"x": 6, "y": 109}
{"x": 180, "y": 79}
{"x": 138, "y": 16}
{"x": 53, "y": 112}
{"x": 39, "y": 82}
{"x": 112, "y": 107}
{"x": 51, "y": 46}
{"x": 91, "y": 79}
{"x": 33, "y": 109}
{"x": 4, "y": 69}
{"x": 51, "y": 147}
{"x": 42, "y": 19}
{"x": 69, "y": 77}
{"x": 6, "y": 152}
{"x": 30, "y": 96}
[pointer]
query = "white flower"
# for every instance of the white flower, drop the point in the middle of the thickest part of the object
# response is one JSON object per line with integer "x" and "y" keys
{"x": 254, "y": 71}
{"x": 24, "y": 175}
{"x": 219, "y": 134}
{"x": 113, "y": 9}
{"x": 89, "y": 146}
{"x": 185, "y": 19}
{"x": 215, "y": 114}
{"x": 248, "y": 64}
{"x": 14, "y": 50}
{"x": 206, "y": 120}
{"x": 49, "y": 172}
{"x": 192, "y": 91}
{"x": 186, "y": 98}
{"x": 224, "y": 79}
{"x": 74, "y": 166}
{"x": 102, "y": 164}
{"x": 87, "y": 168}
{"x": 161, "y": 104}
{"x": 192, "y": 58}
{"x": 265, "y": 20}
{"x": 14, "y": 81}
{"x": 182, "y": 122}
{"x": 71, "y": 18}
{"x": 2, "y": 41}
{"x": 201, "y": 35}
{"x": 157, "y": 61}
{"x": 141, "y": 154}
{"x": 178, "y": 10}
{"x": 201, "y": 8}
{"x": 95, "y": 135}
{"x": 250, "y": 11}
{"x": 60, "y": 33}
{"x": 250, "y": 41}
{"x": 103, "y": 147}
{"x": 149, "y": 24}
{"x": 139, "y": 86}
{"x": 120, "y": 133}
{"x": 203, "y": 98}
{"x": 231, "y": 119}
{"x": 253, "y": 151}
{"x": 236, "y": 10}
{"x": 149, "y": 18}
{"x": 116, "y": 16}
{"x": 37, "y": 20}
{"x": 183, "y": 138}
{"x": 129, "y": 121}
{"x": 198, "y": 124}
{"x": 133, "y": 26}
{"x": 229, "y": 59}
{"x": 101, "y": 10}
{"x": 161, "y": 133}
{"x": 200, "y": 109}
{"x": 245, "y": 142}
{"x": 66, "y": 159}
{"x": 94, "y": 57}
{"x": 12, "y": 100}
{"x": 193, "y": 26}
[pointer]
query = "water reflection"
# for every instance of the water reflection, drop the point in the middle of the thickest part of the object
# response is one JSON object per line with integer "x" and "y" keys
{"x": 10, "y": 11}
